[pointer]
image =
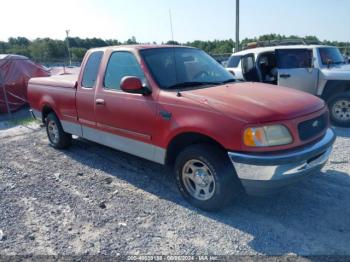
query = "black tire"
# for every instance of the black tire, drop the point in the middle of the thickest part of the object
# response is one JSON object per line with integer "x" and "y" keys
{"x": 340, "y": 116}
{"x": 61, "y": 140}
{"x": 227, "y": 184}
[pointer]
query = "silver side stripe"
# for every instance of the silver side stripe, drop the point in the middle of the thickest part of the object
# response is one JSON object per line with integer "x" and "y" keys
{"x": 72, "y": 128}
{"x": 127, "y": 132}
{"x": 131, "y": 146}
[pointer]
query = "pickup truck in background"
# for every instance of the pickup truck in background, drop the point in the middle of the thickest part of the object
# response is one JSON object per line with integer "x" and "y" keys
{"x": 316, "y": 69}
{"x": 177, "y": 106}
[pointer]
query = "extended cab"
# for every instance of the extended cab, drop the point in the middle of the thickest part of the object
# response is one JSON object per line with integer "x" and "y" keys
{"x": 178, "y": 106}
{"x": 316, "y": 69}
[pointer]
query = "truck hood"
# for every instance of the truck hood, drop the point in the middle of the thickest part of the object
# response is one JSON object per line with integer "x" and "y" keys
{"x": 256, "y": 102}
{"x": 338, "y": 72}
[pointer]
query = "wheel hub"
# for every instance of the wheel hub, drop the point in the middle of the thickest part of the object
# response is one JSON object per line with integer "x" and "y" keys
{"x": 53, "y": 132}
{"x": 201, "y": 178}
{"x": 341, "y": 110}
{"x": 198, "y": 180}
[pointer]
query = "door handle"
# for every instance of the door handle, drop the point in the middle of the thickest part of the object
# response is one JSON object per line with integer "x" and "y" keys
{"x": 285, "y": 76}
{"x": 100, "y": 102}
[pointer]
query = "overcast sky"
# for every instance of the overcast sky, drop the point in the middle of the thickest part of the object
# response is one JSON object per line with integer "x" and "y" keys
{"x": 148, "y": 20}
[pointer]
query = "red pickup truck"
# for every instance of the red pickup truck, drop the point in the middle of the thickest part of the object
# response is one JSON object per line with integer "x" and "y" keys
{"x": 178, "y": 106}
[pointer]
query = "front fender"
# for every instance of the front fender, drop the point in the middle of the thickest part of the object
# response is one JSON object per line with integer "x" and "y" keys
{"x": 333, "y": 87}
{"x": 216, "y": 127}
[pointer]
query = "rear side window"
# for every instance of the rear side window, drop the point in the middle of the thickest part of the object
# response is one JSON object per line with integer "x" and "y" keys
{"x": 121, "y": 64}
{"x": 91, "y": 69}
{"x": 234, "y": 61}
{"x": 294, "y": 58}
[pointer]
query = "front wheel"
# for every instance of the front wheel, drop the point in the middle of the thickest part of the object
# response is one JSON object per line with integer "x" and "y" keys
{"x": 339, "y": 107}
{"x": 57, "y": 137}
{"x": 205, "y": 177}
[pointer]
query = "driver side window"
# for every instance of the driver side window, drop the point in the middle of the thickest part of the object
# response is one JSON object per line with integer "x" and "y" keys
{"x": 294, "y": 58}
{"x": 121, "y": 64}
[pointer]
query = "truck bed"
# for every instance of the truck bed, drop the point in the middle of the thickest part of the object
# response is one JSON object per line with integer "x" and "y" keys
{"x": 58, "y": 91}
{"x": 67, "y": 81}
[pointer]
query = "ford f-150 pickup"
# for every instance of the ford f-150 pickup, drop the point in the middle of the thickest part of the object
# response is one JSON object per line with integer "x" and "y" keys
{"x": 177, "y": 106}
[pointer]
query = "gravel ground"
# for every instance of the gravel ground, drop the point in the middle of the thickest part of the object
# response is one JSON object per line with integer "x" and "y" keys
{"x": 92, "y": 200}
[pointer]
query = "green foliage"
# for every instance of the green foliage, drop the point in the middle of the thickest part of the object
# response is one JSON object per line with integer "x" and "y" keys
{"x": 3, "y": 47}
{"x": 48, "y": 50}
{"x": 171, "y": 42}
{"x": 19, "y": 41}
{"x": 18, "y": 50}
{"x": 131, "y": 41}
{"x": 214, "y": 47}
{"x": 17, "y": 46}
{"x": 22, "y": 121}
{"x": 271, "y": 37}
{"x": 78, "y": 53}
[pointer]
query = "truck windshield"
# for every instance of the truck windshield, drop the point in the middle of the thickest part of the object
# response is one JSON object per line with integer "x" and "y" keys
{"x": 331, "y": 55}
{"x": 234, "y": 61}
{"x": 181, "y": 67}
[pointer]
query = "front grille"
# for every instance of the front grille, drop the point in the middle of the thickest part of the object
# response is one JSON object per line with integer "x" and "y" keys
{"x": 312, "y": 128}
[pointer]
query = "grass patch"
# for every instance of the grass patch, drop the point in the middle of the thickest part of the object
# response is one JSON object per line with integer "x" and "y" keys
{"x": 22, "y": 121}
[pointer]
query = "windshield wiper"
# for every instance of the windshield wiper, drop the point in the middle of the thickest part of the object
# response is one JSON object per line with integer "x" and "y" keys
{"x": 192, "y": 84}
{"x": 228, "y": 81}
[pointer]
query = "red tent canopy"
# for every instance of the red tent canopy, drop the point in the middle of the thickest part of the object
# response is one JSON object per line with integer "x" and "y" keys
{"x": 15, "y": 72}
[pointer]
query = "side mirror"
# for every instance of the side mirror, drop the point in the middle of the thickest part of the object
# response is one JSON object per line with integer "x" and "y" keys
{"x": 233, "y": 73}
{"x": 133, "y": 84}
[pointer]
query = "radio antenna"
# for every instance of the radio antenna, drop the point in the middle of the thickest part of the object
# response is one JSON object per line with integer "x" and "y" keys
{"x": 171, "y": 26}
{"x": 173, "y": 43}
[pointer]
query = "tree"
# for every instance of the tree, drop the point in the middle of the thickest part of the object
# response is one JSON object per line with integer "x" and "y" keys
{"x": 19, "y": 41}
{"x": 131, "y": 41}
{"x": 49, "y": 50}
{"x": 112, "y": 42}
{"x": 3, "y": 47}
{"x": 18, "y": 50}
{"x": 171, "y": 42}
{"x": 18, "y": 45}
{"x": 39, "y": 50}
{"x": 78, "y": 53}
{"x": 311, "y": 38}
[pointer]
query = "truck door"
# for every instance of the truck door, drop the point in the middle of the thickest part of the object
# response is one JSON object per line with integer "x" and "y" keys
{"x": 295, "y": 69}
{"x": 249, "y": 70}
{"x": 85, "y": 99}
{"x": 127, "y": 121}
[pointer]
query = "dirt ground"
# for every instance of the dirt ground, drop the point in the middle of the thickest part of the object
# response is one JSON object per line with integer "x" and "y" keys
{"x": 92, "y": 200}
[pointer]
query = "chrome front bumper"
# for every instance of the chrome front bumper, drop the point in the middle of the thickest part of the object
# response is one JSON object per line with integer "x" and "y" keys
{"x": 266, "y": 173}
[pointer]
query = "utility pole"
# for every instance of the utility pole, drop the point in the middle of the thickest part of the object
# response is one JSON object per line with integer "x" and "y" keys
{"x": 68, "y": 47}
{"x": 237, "y": 26}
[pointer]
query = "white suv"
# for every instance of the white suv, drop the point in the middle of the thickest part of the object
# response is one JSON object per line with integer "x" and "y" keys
{"x": 316, "y": 69}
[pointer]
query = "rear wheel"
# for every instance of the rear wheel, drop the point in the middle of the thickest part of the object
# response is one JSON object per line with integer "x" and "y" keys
{"x": 205, "y": 177}
{"x": 339, "y": 107}
{"x": 57, "y": 137}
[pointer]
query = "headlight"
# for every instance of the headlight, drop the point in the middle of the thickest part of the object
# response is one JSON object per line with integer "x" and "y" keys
{"x": 276, "y": 135}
